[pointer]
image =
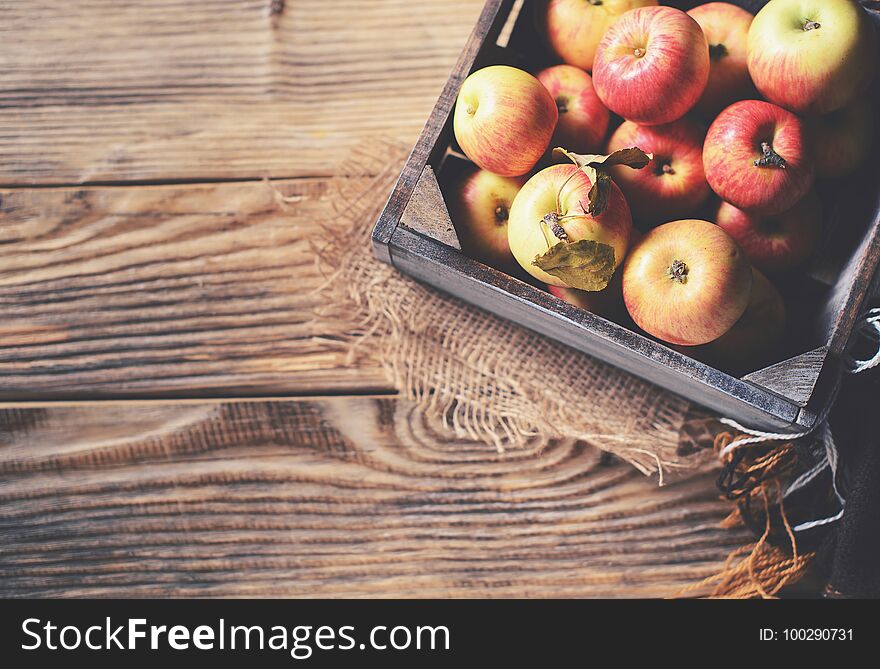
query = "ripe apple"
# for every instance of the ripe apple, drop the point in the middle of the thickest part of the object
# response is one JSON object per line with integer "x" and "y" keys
{"x": 583, "y": 119}
{"x": 562, "y": 192}
{"x": 606, "y": 303}
{"x": 574, "y": 27}
{"x": 480, "y": 208}
{"x": 755, "y": 157}
{"x": 504, "y": 119}
{"x": 673, "y": 184}
{"x": 810, "y": 56}
{"x": 775, "y": 242}
{"x": 726, "y": 28}
{"x": 842, "y": 139}
{"x": 652, "y": 65}
{"x": 687, "y": 282}
{"x": 750, "y": 343}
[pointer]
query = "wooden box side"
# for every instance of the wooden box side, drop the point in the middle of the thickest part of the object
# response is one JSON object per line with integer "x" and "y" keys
{"x": 489, "y": 25}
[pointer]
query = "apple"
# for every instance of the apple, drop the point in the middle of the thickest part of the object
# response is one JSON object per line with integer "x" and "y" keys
{"x": 726, "y": 28}
{"x": 583, "y": 119}
{"x": 606, "y": 303}
{"x": 480, "y": 208}
{"x": 755, "y": 157}
{"x": 652, "y": 65}
{"x": 504, "y": 119}
{"x": 775, "y": 242}
{"x": 560, "y": 194}
{"x": 842, "y": 139}
{"x": 574, "y": 27}
{"x": 687, "y": 282}
{"x": 750, "y": 343}
{"x": 673, "y": 184}
{"x": 812, "y": 56}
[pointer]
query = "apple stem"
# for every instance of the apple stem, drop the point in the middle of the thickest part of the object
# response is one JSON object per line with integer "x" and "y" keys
{"x": 501, "y": 213}
{"x": 770, "y": 157}
{"x": 811, "y": 25}
{"x": 638, "y": 52}
{"x": 717, "y": 51}
{"x": 551, "y": 220}
{"x": 678, "y": 271}
{"x": 561, "y": 188}
{"x": 562, "y": 104}
{"x": 665, "y": 168}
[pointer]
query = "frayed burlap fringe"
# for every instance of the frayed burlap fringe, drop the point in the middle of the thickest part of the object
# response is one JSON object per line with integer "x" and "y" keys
{"x": 489, "y": 379}
{"x": 763, "y": 568}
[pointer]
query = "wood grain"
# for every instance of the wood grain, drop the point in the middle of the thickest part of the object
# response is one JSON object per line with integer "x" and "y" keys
{"x": 98, "y": 90}
{"x": 124, "y": 288}
{"x": 157, "y": 291}
{"x": 331, "y": 497}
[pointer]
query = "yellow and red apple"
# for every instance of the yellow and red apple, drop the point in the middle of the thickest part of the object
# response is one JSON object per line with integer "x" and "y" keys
{"x": 673, "y": 184}
{"x": 686, "y": 282}
{"x": 480, "y": 208}
{"x": 756, "y": 157}
{"x": 573, "y": 28}
{"x": 583, "y": 119}
{"x": 552, "y": 207}
{"x": 812, "y": 56}
{"x": 726, "y": 27}
{"x": 652, "y": 65}
{"x": 607, "y": 303}
{"x": 504, "y": 119}
{"x": 775, "y": 242}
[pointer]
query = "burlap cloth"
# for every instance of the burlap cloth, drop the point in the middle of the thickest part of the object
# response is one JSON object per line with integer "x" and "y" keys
{"x": 488, "y": 378}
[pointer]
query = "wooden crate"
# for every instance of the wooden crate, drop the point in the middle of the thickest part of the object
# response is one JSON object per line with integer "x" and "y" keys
{"x": 416, "y": 235}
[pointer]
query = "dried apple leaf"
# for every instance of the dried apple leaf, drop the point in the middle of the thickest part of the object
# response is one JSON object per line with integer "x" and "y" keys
{"x": 600, "y": 193}
{"x": 632, "y": 157}
{"x": 596, "y": 167}
{"x": 585, "y": 264}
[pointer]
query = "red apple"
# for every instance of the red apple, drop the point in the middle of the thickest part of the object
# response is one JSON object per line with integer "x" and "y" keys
{"x": 504, "y": 119}
{"x": 752, "y": 340}
{"x": 561, "y": 192}
{"x": 842, "y": 139}
{"x": 652, "y": 65}
{"x": 812, "y": 57}
{"x": 673, "y": 184}
{"x": 755, "y": 157}
{"x": 726, "y": 28}
{"x": 574, "y": 27}
{"x": 775, "y": 242}
{"x": 480, "y": 208}
{"x": 583, "y": 119}
{"x": 687, "y": 282}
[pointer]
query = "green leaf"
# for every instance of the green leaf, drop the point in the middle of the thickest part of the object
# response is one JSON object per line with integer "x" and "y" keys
{"x": 585, "y": 264}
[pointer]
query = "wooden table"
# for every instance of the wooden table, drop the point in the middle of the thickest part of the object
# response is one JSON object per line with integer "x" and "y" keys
{"x": 175, "y": 422}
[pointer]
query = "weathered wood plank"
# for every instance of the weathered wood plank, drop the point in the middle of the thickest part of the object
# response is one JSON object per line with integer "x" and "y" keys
{"x": 191, "y": 290}
{"x": 332, "y": 497}
{"x": 98, "y": 90}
